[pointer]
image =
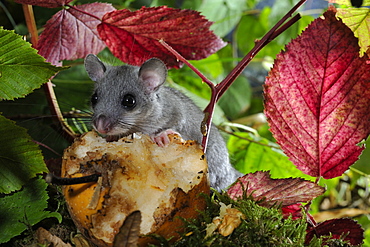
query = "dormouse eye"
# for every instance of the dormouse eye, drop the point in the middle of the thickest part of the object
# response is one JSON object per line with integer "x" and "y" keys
{"x": 128, "y": 101}
{"x": 94, "y": 99}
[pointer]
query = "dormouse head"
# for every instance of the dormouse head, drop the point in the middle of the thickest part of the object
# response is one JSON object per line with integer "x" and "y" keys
{"x": 125, "y": 97}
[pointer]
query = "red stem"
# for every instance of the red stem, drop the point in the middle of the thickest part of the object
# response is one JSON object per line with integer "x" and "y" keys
{"x": 84, "y": 12}
{"x": 273, "y": 33}
{"x": 182, "y": 59}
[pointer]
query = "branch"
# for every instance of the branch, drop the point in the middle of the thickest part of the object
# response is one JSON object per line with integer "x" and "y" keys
{"x": 219, "y": 89}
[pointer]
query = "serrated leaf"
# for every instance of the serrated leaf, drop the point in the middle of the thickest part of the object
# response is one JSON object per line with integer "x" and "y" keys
{"x": 358, "y": 20}
{"x": 346, "y": 229}
{"x": 71, "y": 34}
{"x": 21, "y": 69}
{"x": 20, "y": 158}
{"x": 133, "y": 36}
{"x": 317, "y": 98}
{"x": 24, "y": 209}
{"x": 285, "y": 191}
{"x": 45, "y": 3}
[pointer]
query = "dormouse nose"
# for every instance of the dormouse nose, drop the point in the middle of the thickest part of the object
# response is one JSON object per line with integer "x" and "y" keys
{"x": 103, "y": 124}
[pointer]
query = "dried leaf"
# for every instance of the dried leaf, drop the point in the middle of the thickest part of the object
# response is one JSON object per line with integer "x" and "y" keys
{"x": 70, "y": 34}
{"x": 45, "y": 238}
{"x": 129, "y": 232}
{"x": 45, "y": 3}
{"x": 133, "y": 36}
{"x": 337, "y": 228}
{"x": 286, "y": 191}
{"x": 317, "y": 98}
{"x": 339, "y": 213}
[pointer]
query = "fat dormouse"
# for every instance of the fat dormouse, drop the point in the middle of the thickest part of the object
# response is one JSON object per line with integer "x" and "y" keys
{"x": 129, "y": 99}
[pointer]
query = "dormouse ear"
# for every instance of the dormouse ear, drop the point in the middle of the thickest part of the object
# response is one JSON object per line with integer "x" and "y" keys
{"x": 94, "y": 67}
{"x": 153, "y": 73}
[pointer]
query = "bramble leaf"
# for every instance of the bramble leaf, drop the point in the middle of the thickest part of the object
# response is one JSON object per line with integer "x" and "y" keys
{"x": 346, "y": 229}
{"x": 21, "y": 69}
{"x": 285, "y": 191}
{"x": 24, "y": 209}
{"x": 71, "y": 34}
{"x": 45, "y": 3}
{"x": 20, "y": 158}
{"x": 133, "y": 36}
{"x": 317, "y": 98}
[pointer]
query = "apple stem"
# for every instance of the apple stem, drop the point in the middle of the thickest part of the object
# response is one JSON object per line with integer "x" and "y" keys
{"x": 52, "y": 179}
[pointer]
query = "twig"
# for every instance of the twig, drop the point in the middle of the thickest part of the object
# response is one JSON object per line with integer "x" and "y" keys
{"x": 52, "y": 179}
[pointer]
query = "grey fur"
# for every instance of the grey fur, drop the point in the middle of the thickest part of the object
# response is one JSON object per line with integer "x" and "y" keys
{"x": 158, "y": 108}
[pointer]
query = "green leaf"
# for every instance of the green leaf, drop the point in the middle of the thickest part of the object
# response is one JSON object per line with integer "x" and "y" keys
{"x": 21, "y": 69}
{"x": 253, "y": 27}
{"x": 237, "y": 98}
{"x": 24, "y": 209}
{"x": 224, "y": 14}
{"x": 20, "y": 158}
{"x": 258, "y": 154}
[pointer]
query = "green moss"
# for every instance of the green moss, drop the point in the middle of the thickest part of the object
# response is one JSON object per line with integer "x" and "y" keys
{"x": 261, "y": 227}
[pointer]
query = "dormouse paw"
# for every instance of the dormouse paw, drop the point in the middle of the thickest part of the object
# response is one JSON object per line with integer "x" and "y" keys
{"x": 162, "y": 139}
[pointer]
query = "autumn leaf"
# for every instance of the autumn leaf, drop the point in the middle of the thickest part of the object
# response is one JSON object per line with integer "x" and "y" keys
{"x": 317, "y": 98}
{"x": 133, "y": 36}
{"x": 45, "y": 3}
{"x": 72, "y": 34}
{"x": 285, "y": 191}
{"x": 346, "y": 229}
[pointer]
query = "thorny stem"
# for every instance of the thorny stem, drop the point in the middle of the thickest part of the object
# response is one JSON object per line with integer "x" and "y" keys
{"x": 219, "y": 89}
{"x": 269, "y": 36}
{"x": 48, "y": 87}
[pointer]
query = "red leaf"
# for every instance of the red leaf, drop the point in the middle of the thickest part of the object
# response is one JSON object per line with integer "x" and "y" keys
{"x": 71, "y": 34}
{"x": 286, "y": 191}
{"x": 337, "y": 228}
{"x": 317, "y": 98}
{"x": 45, "y": 3}
{"x": 295, "y": 210}
{"x": 133, "y": 36}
